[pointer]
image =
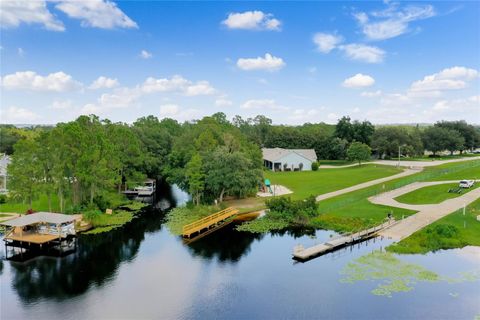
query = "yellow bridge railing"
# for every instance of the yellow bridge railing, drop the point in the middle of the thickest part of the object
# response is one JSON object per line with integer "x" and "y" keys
{"x": 208, "y": 221}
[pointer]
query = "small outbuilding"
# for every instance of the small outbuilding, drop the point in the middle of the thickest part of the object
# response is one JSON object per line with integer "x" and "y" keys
{"x": 279, "y": 159}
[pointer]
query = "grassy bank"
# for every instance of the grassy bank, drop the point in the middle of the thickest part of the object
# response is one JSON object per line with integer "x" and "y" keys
{"x": 432, "y": 194}
{"x": 178, "y": 217}
{"x": 353, "y": 212}
{"x": 306, "y": 183}
{"x": 453, "y": 231}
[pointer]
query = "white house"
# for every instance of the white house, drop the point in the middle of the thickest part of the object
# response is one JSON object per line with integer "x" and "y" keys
{"x": 278, "y": 159}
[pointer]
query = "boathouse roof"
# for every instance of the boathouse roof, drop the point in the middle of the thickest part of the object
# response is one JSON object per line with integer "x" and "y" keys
{"x": 39, "y": 217}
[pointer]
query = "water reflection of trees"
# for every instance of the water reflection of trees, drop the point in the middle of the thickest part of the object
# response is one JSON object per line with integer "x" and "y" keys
{"x": 295, "y": 232}
{"x": 93, "y": 264}
{"x": 226, "y": 244}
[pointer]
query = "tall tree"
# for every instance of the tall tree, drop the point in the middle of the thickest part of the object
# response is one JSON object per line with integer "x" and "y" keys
{"x": 196, "y": 177}
{"x": 358, "y": 152}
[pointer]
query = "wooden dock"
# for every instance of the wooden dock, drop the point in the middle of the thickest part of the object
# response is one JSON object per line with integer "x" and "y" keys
{"x": 208, "y": 222}
{"x": 303, "y": 254}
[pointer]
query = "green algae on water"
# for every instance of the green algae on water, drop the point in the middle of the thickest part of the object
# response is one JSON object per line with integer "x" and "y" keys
{"x": 395, "y": 275}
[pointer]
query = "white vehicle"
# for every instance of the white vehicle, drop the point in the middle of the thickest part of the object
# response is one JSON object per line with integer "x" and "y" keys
{"x": 466, "y": 184}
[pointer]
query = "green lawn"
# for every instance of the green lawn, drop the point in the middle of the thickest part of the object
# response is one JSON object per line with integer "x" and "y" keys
{"x": 306, "y": 183}
{"x": 40, "y": 204}
{"x": 453, "y": 231}
{"x": 353, "y": 211}
{"x": 432, "y": 194}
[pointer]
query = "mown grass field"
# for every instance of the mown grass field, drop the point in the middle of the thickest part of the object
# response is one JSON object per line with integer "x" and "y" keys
{"x": 40, "y": 204}
{"x": 453, "y": 231}
{"x": 306, "y": 183}
{"x": 432, "y": 194}
{"x": 353, "y": 211}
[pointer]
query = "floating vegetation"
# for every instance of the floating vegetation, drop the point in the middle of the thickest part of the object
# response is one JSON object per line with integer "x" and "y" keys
{"x": 394, "y": 274}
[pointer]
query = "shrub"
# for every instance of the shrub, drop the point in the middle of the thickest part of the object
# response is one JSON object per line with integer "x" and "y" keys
{"x": 3, "y": 198}
{"x": 315, "y": 166}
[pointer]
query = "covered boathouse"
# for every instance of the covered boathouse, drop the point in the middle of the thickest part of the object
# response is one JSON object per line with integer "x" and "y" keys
{"x": 40, "y": 232}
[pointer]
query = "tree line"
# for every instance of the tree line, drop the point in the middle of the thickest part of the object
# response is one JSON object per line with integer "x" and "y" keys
{"x": 83, "y": 161}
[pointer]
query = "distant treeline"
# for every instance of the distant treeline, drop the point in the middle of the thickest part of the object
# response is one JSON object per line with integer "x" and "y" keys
{"x": 86, "y": 159}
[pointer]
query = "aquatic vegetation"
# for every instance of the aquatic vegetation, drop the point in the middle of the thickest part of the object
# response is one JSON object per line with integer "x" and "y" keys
{"x": 263, "y": 225}
{"x": 395, "y": 275}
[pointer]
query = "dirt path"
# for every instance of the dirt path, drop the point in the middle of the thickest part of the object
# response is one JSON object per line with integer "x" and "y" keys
{"x": 427, "y": 213}
{"x": 405, "y": 163}
{"x": 332, "y": 194}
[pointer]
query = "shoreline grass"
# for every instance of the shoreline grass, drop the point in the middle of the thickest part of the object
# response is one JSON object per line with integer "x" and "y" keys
{"x": 453, "y": 231}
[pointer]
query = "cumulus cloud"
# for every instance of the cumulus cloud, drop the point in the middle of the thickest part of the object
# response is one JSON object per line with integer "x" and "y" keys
{"x": 252, "y": 20}
{"x": 362, "y": 52}
{"x": 96, "y": 13}
{"x": 103, "y": 14}
{"x": 326, "y": 42}
{"x": 14, "y": 13}
{"x": 61, "y": 105}
{"x": 358, "y": 81}
{"x": 179, "y": 84}
{"x": 104, "y": 83}
{"x": 448, "y": 79}
{"x": 262, "y": 104}
{"x": 30, "y": 80}
{"x": 169, "y": 110}
{"x": 223, "y": 102}
{"x": 371, "y": 94}
{"x": 268, "y": 63}
{"x": 121, "y": 98}
{"x": 144, "y": 54}
{"x": 16, "y": 115}
{"x": 201, "y": 88}
{"x": 391, "y": 22}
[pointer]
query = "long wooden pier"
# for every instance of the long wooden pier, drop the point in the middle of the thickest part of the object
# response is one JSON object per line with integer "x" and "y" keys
{"x": 303, "y": 254}
{"x": 208, "y": 222}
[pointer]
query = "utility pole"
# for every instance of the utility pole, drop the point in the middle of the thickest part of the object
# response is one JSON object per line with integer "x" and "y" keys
{"x": 398, "y": 156}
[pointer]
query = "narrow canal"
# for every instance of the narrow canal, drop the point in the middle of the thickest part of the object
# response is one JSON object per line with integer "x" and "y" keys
{"x": 142, "y": 271}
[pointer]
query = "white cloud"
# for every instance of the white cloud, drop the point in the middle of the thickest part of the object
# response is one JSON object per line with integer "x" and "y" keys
{"x": 144, "y": 54}
{"x": 14, "y": 13}
{"x": 364, "y": 53}
{"x": 179, "y": 84}
{"x": 252, "y": 20}
{"x": 200, "y": 88}
{"x": 96, "y": 13}
{"x": 332, "y": 117}
{"x": 61, "y": 105}
{"x": 448, "y": 79}
{"x": 269, "y": 63}
{"x": 175, "y": 112}
{"x": 121, "y": 98}
{"x": 391, "y": 22}
{"x": 223, "y": 102}
{"x": 262, "y": 104}
{"x": 176, "y": 83}
{"x": 21, "y": 52}
{"x": 30, "y": 80}
{"x": 16, "y": 115}
{"x": 169, "y": 110}
{"x": 358, "y": 81}
{"x": 104, "y": 82}
{"x": 326, "y": 42}
{"x": 371, "y": 94}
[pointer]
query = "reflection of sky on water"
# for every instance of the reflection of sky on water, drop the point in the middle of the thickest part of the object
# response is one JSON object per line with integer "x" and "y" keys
{"x": 144, "y": 272}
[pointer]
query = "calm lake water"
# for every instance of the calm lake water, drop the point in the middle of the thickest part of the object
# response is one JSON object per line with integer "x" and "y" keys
{"x": 142, "y": 271}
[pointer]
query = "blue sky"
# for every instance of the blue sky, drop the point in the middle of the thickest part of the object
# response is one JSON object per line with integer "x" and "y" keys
{"x": 295, "y": 62}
